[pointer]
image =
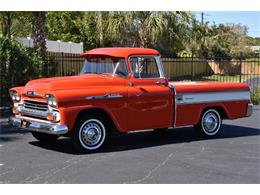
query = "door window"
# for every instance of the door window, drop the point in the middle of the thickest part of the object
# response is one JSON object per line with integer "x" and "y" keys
{"x": 144, "y": 67}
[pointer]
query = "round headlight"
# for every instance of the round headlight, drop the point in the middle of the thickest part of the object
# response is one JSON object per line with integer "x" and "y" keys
{"x": 15, "y": 96}
{"x": 51, "y": 100}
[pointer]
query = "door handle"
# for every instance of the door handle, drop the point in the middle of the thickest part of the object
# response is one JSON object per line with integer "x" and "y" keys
{"x": 138, "y": 94}
{"x": 159, "y": 83}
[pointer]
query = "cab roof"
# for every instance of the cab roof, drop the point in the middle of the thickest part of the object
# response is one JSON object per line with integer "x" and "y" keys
{"x": 123, "y": 52}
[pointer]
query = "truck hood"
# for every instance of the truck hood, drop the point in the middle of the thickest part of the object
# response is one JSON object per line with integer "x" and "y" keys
{"x": 49, "y": 85}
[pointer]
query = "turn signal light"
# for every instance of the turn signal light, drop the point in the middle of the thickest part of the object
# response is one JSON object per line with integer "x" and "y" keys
{"x": 50, "y": 116}
{"x": 53, "y": 116}
{"x": 15, "y": 110}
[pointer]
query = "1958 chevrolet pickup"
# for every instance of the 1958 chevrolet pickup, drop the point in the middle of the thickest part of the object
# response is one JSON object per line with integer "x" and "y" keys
{"x": 122, "y": 90}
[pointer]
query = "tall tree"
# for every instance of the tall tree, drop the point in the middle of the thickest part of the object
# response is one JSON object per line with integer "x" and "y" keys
{"x": 6, "y": 19}
{"x": 38, "y": 33}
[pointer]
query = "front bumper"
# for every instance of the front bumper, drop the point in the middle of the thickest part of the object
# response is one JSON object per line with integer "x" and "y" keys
{"x": 38, "y": 126}
{"x": 249, "y": 111}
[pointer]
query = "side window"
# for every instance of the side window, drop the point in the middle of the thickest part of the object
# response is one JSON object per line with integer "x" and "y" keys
{"x": 144, "y": 67}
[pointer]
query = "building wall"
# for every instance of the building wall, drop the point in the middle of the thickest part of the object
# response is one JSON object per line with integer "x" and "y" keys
{"x": 55, "y": 46}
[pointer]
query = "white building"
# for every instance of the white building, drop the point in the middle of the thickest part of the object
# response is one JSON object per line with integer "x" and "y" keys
{"x": 55, "y": 46}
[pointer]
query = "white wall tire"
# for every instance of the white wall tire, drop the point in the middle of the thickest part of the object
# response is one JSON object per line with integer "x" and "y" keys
{"x": 209, "y": 124}
{"x": 89, "y": 134}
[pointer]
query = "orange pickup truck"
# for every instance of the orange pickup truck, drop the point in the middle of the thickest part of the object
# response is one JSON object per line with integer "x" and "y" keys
{"x": 121, "y": 90}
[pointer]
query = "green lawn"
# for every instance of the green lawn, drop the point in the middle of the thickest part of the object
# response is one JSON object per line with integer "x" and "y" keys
{"x": 218, "y": 78}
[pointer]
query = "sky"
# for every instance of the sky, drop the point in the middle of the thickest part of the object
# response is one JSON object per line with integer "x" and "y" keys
{"x": 247, "y": 18}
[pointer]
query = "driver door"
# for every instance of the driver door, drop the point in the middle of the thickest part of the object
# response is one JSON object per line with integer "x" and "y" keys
{"x": 149, "y": 99}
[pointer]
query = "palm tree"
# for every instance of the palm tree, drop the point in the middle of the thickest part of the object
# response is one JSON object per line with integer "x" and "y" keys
{"x": 144, "y": 26}
{"x": 38, "y": 33}
{"x": 6, "y": 19}
{"x": 149, "y": 28}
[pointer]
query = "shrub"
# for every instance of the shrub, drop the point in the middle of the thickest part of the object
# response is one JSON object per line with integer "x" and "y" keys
{"x": 18, "y": 65}
{"x": 255, "y": 96}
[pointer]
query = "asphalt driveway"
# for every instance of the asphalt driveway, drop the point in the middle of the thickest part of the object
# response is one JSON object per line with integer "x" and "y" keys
{"x": 146, "y": 157}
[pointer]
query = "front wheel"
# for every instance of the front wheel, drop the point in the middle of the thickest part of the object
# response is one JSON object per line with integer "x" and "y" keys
{"x": 89, "y": 133}
{"x": 209, "y": 124}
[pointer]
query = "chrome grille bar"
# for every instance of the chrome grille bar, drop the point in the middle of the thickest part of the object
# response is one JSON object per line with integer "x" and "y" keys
{"x": 35, "y": 105}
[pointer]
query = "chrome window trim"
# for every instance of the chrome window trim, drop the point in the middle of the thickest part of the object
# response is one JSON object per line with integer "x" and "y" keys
{"x": 158, "y": 64}
{"x": 126, "y": 64}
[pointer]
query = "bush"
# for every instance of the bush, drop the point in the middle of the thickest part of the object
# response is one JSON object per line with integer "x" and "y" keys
{"x": 255, "y": 96}
{"x": 18, "y": 65}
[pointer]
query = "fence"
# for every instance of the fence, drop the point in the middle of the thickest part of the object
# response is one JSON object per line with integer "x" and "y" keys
{"x": 223, "y": 69}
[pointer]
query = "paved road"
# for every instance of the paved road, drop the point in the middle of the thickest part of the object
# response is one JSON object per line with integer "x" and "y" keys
{"x": 147, "y": 157}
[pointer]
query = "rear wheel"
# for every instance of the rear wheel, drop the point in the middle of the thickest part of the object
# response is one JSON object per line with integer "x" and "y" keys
{"x": 44, "y": 137}
{"x": 89, "y": 133}
{"x": 209, "y": 124}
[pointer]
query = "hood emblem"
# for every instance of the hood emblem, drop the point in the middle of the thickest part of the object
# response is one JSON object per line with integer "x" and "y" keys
{"x": 32, "y": 94}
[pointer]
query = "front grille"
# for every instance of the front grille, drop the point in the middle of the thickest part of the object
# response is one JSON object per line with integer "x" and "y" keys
{"x": 35, "y": 105}
{"x": 34, "y": 109}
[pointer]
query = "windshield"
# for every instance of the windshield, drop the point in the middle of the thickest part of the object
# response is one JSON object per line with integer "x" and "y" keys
{"x": 105, "y": 65}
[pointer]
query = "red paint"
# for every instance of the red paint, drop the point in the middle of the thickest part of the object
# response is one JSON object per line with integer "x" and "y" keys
{"x": 144, "y": 105}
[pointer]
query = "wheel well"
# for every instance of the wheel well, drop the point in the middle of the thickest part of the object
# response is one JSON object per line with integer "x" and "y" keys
{"x": 98, "y": 111}
{"x": 220, "y": 110}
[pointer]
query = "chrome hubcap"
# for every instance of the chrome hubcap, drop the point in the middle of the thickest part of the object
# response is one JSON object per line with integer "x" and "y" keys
{"x": 210, "y": 122}
{"x": 91, "y": 134}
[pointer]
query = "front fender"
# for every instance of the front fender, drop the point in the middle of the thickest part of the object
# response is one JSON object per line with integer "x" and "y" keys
{"x": 69, "y": 115}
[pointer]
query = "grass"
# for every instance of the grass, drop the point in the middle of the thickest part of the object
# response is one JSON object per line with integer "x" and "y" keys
{"x": 218, "y": 78}
{"x": 229, "y": 78}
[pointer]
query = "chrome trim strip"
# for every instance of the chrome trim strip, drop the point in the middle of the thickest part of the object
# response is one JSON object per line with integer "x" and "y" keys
{"x": 175, "y": 105}
{"x": 49, "y": 128}
{"x": 249, "y": 111}
{"x": 197, "y": 98}
{"x": 106, "y": 96}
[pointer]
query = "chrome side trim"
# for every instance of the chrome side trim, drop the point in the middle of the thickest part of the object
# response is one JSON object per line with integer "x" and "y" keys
{"x": 196, "y": 98}
{"x": 249, "y": 111}
{"x": 175, "y": 105}
{"x": 106, "y": 96}
{"x": 49, "y": 128}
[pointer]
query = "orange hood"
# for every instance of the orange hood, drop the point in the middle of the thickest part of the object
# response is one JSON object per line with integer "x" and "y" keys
{"x": 50, "y": 85}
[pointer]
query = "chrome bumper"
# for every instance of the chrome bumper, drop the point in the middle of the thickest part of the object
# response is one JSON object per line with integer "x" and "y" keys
{"x": 249, "y": 111}
{"x": 55, "y": 129}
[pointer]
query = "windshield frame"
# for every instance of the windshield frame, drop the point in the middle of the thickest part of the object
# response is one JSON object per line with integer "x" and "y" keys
{"x": 86, "y": 59}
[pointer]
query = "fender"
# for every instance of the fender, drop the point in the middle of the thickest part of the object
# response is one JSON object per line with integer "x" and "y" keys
{"x": 69, "y": 115}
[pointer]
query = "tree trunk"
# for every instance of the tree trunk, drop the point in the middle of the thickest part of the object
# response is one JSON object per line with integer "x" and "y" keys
{"x": 99, "y": 29}
{"x": 38, "y": 34}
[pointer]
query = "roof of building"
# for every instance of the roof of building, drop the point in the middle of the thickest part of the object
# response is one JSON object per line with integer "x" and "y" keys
{"x": 120, "y": 52}
{"x": 255, "y": 48}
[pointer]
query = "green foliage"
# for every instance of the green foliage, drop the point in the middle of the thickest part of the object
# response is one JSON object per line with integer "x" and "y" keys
{"x": 218, "y": 40}
{"x": 17, "y": 24}
{"x": 72, "y": 26}
{"x": 255, "y": 96}
{"x": 251, "y": 41}
{"x": 170, "y": 32}
{"x": 18, "y": 65}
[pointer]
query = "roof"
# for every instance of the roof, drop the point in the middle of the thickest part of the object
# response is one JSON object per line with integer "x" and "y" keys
{"x": 255, "y": 48}
{"x": 120, "y": 52}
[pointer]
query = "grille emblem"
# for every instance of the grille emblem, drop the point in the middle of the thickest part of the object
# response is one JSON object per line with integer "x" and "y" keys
{"x": 32, "y": 94}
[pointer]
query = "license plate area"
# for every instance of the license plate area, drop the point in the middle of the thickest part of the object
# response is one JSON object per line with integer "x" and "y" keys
{"x": 24, "y": 123}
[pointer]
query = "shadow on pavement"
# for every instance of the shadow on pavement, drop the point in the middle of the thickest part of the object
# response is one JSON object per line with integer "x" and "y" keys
{"x": 9, "y": 133}
{"x": 147, "y": 139}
